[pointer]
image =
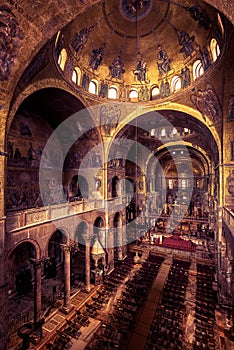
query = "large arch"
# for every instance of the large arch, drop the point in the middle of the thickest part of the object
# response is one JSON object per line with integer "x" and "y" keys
{"x": 18, "y": 265}
{"x": 132, "y": 112}
{"x": 64, "y": 233}
{"x": 32, "y": 241}
{"x": 38, "y": 86}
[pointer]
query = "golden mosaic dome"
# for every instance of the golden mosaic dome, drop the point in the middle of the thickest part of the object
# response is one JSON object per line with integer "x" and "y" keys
{"x": 158, "y": 37}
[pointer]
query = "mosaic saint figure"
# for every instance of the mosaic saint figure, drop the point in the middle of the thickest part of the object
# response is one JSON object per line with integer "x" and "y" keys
{"x": 207, "y": 102}
{"x": 199, "y": 15}
{"x": 187, "y": 42}
{"x": 109, "y": 118}
{"x": 116, "y": 69}
{"x": 163, "y": 61}
{"x": 103, "y": 89}
{"x": 85, "y": 81}
{"x": 80, "y": 39}
{"x": 165, "y": 88}
{"x": 185, "y": 77}
{"x": 140, "y": 71}
{"x": 10, "y": 36}
{"x": 144, "y": 94}
{"x": 205, "y": 58}
{"x": 96, "y": 57}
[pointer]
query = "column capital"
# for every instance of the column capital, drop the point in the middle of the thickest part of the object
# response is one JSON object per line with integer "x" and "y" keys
{"x": 87, "y": 237}
{"x": 65, "y": 247}
{"x": 37, "y": 263}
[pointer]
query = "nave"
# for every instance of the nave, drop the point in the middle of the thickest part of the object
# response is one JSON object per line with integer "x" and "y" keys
{"x": 184, "y": 315}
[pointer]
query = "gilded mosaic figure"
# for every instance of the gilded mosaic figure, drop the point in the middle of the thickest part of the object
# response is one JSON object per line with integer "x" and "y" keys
{"x": 96, "y": 57}
{"x": 80, "y": 40}
{"x": 207, "y": 102}
{"x": 187, "y": 43}
{"x": 10, "y": 36}
{"x": 116, "y": 69}
{"x": 163, "y": 61}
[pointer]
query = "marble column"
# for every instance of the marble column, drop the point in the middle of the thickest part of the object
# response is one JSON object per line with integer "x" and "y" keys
{"x": 37, "y": 265}
{"x": 3, "y": 271}
{"x": 87, "y": 238}
{"x": 120, "y": 243}
{"x": 67, "y": 307}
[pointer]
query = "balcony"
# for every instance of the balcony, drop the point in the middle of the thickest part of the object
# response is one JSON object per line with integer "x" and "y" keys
{"x": 30, "y": 217}
{"x": 35, "y": 216}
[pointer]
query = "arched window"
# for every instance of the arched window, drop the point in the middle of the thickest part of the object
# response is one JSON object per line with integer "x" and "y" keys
{"x": 198, "y": 69}
{"x": 163, "y": 132}
{"x": 74, "y": 77}
{"x": 215, "y": 49}
{"x": 93, "y": 87}
{"x": 133, "y": 94}
{"x": 113, "y": 92}
{"x": 155, "y": 92}
{"x": 153, "y": 132}
{"x": 174, "y": 131}
{"x": 183, "y": 183}
{"x": 170, "y": 184}
{"x": 62, "y": 59}
{"x": 76, "y": 74}
{"x": 175, "y": 83}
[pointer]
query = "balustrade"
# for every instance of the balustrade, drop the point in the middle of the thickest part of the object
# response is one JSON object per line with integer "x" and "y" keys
{"x": 30, "y": 217}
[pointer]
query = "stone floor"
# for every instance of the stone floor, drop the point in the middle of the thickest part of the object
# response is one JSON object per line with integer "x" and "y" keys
{"x": 20, "y": 308}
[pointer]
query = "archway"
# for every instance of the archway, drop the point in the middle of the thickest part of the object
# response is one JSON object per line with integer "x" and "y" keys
{"x": 55, "y": 254}
{"x": 21, "y": 277}
{"x": 38, "y": 115}
{"x": 78, "y": 261}
{"x": 99, "y": 231}
{"x": 79, "y": 188}
{"x": 20, "y": 271}
{"x": 99, "y": 249}
{"x": 114, "y": 187}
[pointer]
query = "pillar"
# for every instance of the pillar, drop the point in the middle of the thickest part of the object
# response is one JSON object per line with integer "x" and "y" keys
{"x": 124, "y": 242}
{"x": 37, "y": 265}
{"x": 3, "y": 272}
{"x": 120, "y": 242}
{"x": 67, "y": 307}
{"x": 87, "y": 238}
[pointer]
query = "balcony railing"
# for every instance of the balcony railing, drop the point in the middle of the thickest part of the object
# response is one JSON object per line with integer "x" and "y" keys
{"x": 35, "y": 216}
{"x": 30, "y": 217}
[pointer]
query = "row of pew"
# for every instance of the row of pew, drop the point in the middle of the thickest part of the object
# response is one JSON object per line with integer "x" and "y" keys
{"x": 206, "y": 298}
{"x": 167, "y": 327}
{"x": 119, "y": 326}
{"x": 63, "y": 338}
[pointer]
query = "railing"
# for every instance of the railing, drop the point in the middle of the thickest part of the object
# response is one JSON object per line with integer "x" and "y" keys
{"x": 30, "y": 217}
{"x": 35, "y": 216}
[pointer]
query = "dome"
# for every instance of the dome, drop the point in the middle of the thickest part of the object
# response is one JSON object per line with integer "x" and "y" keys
{"x": 117, "y": 39}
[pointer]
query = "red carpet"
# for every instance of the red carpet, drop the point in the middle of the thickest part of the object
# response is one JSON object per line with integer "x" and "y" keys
{"x": 176, "y": 242}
